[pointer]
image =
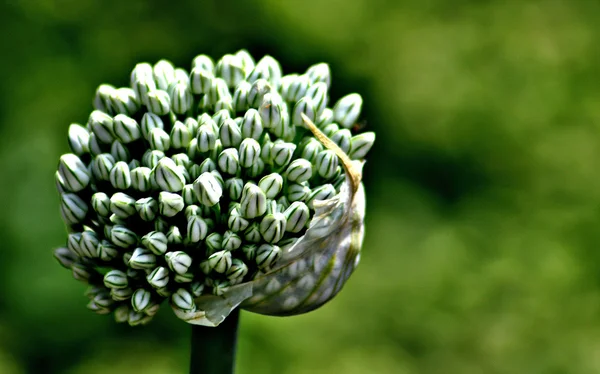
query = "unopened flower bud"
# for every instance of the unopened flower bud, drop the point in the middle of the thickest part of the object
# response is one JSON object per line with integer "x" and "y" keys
{"x": 147, "y": 208}
{"x": 120, "y": 176}
{"x": 178, "y": 261}
{"x": 343, "y": 139}
{"x": 102, "y": 126}
{"x": 361, "y": 144}
{"x": 347, "y": 110}
{"x": 258, "y": 90}
{"x": 207, "y": 189}
{"x": 73, "y": 208}
{"x": 159, "y": 102}
{"x": 183, "y": 300}
{"x": 126, "y": 129}
{"x": 65, "y": 257}
{"x": 206, "y": 138}
{"x": 116, "y": 279}
{"x": 324, "y": 192}
{"x": 230, "y": 134}
{"x": 296, "y": 216}
{"x": 102, "y": 97}
{"x": 164, "y": 74}
{"x": 169, "y": 204}
{"x": 150, "y": 121}
{"x": 181, "y": 98}
{"x": 201, "y": 80}
{"x": 231, "y": 241}
{"x": 101, "y": 204}
{"x": 254, "y": 201}
{"x": 159, "y": 277}
{"x": 197, "y": 229}
{"x": 121, "y": 294}
{"x": 271, "y": 185}
{"x": 299, "y": 171}
{"x": 140, "y": 299}
{"x": 219, "y": 287}
{"x": 123, "y": 237}
{"x": 272, "y": 227}
{"x": 174, "y": 236}
{"x": 236, "y": 222}
{"x": 319, "y": 73}
{"x": 168, "y": 176}
{"x": 282, "y": 153}
{"x": 249, "y": 152}
{"x": 159, "y": 140}
{"x": 220, "y": 261}
{"x": 156, "y": 242}
{"x": 297, "y": 192}
{"x": 256, "y": 169}
{"x": 267, "y": 255}
{"x": 79, "y": 139}
{"x": 326, "y": 163}
{"x": 234, "y": 187}
{"x": 73, "y": 173}
{"x": 297, "y": 88}
{"x": 230, "y": 68}
{"x": 240, "y": 96}
{"x": 214, "y": 243}
{"x": 107, "y": 251}
{"x": 89, "y": 244}
{"x": 140, "y": 179}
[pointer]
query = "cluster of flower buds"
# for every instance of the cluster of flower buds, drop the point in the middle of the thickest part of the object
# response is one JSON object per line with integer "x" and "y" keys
{"x": 187, "y": 184}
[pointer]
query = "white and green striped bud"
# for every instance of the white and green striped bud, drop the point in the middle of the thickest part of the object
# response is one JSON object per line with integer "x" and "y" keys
{"x": 257, "y": 91}
{"x": 181, "y": 98}
{"x": 234, "y": 187}
{"x": 237, "y": 270}
{"x": 89, "y": 244}
{"x": 73, "y": 173}
{"x": 249, "y": 251}
{"x": 318, "y": 95}
{"x": 325, "y": 118}
{"x": 180, "y": 136}
{"x": 120, "y": 176}
{"x": 230, "y": 68}
{"x": 82, "y": 272}
{"x": 256, "y": 170}
{"x": 159, "y": 140}
{"x": 164, "y": 74}
{"x": 282, "y": 152}
{"x": 174, "y": 236}
{"x": 208, "y": 189}
{"x": 79, "y": 139}
{"x": 178, "y": 261}
{"x": 168, "y": 176}
{"x": 230, "y": 133}
{"x": 299, "y": 170}
{"x": 271, "y": 185}
{"x": 156, "y": 242}
{"x": 361, "y": 144}
{"x": 324, "y": 192}
{"x": 119, "y": 151}
{"x": 272, "y": 67}
{"x": 102, "y": 166}
{"x": 183, "y": 300}
{"x": 116, "y": 279}
{"x": 236, "y": 222}
{"x": 203, "y": 62}
{"x": 101, "y": 204}
{"x": 303, "y": 106}
{"x": 184, "y": 278}
{"x": 150, "y": 158}
{"x": 219, "y": 287}
{"x": 206, "y": 138}
{"x": 326, "y": 163}
{"x": 297, "y": 192}
{"x": 147, "y": 208}
{"x": 97, "y": 308}
{"x": 169, "y": 204}
{"x": 240, "y": 96}
{"x": 272, "y": 227}
{"x": 347, "y": 110}
{"x": 311, "y": 149}
{"x": 142, "y": 85}
{"x": 102, "y": 126}
{"x": 218, "y": 91}
{"x": 283, "y": 203}
{"x": 207, "y": 166}
{"x": 319, "y": 73}
{"x": 286, "y": 82}
{"x": 192, "y": 125}
{"x": 150, "y": 121}
{"x": 231, "y": 241}
{"x": 107, "y": 251}
{"x": 123, "y": 237}
{"x": 343, "y": 139}
{"x": 270, "y": 110}
{"x": 219, "y": 262}
{"x": 142, "y": 259}
{"x": 297, "y": 88}
{"x": 159, "y": 102}
{"x": 65, "y": 257}
{"x": 245, "y": 59}
{"x": 73, "y": 208}
{"x": 197, "y": 229}
{"x": 121, "y": 294}
{"x": 252, "y": 126}
{"x": 141, "y": 299}
{"x": 254, "y": 201}
{"x": 124, "y": 101}
{"x": 159, "y": 277}
{"x": 121, "y": 313}
{"x": 134, "y": 164}
{"x": 267, "y": 255}
{"x": 95, "y": 147}
{"x": 102, "y": 98}
{"x": 297, "y": 216}
{"x": 197, "y": 288}
{"x": 258, "y": 73}
{"x": 214, "y": 243}
{"x": 201, "y": 80}
{"x": 188, "y": 194}
{"x": 140, "y": 179}
{"x": 228, "y": 161}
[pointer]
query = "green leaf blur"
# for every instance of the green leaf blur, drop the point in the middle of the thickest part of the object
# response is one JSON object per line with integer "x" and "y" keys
{"x": 483, "y": 191}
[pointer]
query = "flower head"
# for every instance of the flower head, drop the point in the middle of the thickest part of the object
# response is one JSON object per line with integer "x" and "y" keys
{"x": 231, "y": 185}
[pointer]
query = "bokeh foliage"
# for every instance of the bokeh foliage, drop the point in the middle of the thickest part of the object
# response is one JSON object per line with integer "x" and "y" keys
{"x": 483, "y": 191}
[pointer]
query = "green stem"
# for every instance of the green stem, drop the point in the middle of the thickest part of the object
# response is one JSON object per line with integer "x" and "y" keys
{"x": 213, "y": 348}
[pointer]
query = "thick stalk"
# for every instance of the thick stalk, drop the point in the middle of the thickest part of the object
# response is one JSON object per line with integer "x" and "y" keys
{"x": 213, "y": 348}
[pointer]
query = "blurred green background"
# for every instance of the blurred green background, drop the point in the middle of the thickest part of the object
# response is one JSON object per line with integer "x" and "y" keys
{"x": 481, "y": 253}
